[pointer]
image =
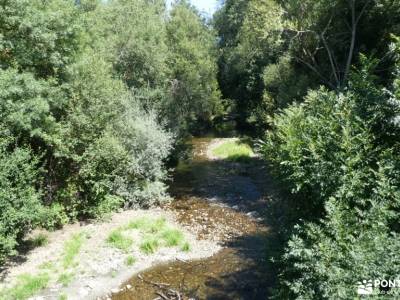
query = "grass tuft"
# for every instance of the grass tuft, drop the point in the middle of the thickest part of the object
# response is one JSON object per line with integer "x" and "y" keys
{"x": 47, "y": 266}
{"x": 72, "y": 248}
{"x": 40, "y": 240}
{"x": 186, "y": 247}
{"x": 28, "y": 285}
{"x": 117, "y": 240}
{"x": 149, "y": 245}
{"x": 147, "y": 225}
{"x": 62, "y": 297}
{"x": 172, "y": 237}
{"x": 65, "y": 279}
{"x": 234, "y": 151}
{"x": 130, "y": 260}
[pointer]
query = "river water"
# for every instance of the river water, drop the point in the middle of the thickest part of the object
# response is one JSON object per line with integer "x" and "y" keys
{"x": 223, "y": 201}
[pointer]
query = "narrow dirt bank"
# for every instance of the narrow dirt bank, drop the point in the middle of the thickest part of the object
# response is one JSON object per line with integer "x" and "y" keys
{"x": 221, "y": 201}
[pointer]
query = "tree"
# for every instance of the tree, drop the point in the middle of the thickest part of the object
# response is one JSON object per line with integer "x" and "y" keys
{"x": 248, "y": 44}
{"x": 192, "y": 63}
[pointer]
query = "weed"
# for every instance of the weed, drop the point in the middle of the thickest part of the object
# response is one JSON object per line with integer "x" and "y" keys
{"x": 147, "y": 225}
{"x": 172, "y": 237}
{"x": 65, "y": 279}
{"x": 62, "y": 297}
{"x": 72, "y": 248}
{"x": 234, "y": 151}
{"x": 149, "y": 245}
{"x": 47, "y": 266}
{"x": 119, "y": 241}
{"x": 28, "y": 285}
{"x": 130, "y": 260}
{"x": 186, "y": 247}
{"x": 39, "y": 240}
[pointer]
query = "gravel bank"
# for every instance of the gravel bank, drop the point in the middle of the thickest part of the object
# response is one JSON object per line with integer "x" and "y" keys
{"x": 101, "y": 269}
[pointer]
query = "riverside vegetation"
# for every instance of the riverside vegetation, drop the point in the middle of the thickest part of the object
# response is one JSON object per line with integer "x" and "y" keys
{"x": 97, "y": 99}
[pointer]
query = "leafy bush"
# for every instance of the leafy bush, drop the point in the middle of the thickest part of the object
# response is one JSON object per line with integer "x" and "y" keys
{"x": 128, "y": 160}
{"x": 53, "y": 217}
{"x": 358, "y": 240}
{"x": 335, "y": 154}
{"x": 19, "y": 198}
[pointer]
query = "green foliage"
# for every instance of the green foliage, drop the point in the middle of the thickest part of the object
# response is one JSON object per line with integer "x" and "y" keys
{"x": 250, "y": 41}
{"x": 72, "y": 247}
{"x": 90, "y": 93}
{"x": 148, "y": 225}
{"x": 53, "y": 217}
{"x": 186, "y": 247}
{"x": 65, "y": 279}
{"x": 130, "y": 260}
{"x": 118, "y": 240}
{"x": 137, "y": 41}
{"x": 195, "y": 97}
{"x": 28, "y": 105}
{"x": 273, "y": 51}
{"x": 172, "y": 237}
{"x": 38, "y": 37}
{"x": 19, "y": 198}
{"x": 335, "y": 154}
{"x": 234, "y": 151}
{"x": 27, "y": 286}
{"x": 150, "y": 245}
{"x": 40, "y": 240}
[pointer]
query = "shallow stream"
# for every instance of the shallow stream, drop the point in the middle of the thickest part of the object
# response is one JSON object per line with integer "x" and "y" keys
{"x": 223, "y": 201}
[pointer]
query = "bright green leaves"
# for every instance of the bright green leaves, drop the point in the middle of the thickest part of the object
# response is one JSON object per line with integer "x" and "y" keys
{"x": 28, "y": 107}
{"x": 39, "y": 37}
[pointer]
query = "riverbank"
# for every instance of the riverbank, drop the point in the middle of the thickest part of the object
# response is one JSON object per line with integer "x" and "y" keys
{"x": 222, "y": 199}
{"x": 210, "y": 240}
{"x": 86, "y": 261}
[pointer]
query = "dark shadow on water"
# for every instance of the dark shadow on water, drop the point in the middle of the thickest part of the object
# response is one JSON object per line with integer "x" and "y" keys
{"x": 237, "y": 185}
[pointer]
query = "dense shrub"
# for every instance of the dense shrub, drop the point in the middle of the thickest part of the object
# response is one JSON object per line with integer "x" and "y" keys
{"x": 19, "y": 197}
{"x": 338, "y": 153}
{"x": 358, "y": 240}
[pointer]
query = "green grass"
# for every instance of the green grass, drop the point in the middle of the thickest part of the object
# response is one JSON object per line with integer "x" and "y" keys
{"x": 147, "y": 225}
{"x": 117, "y": 240}
{"x": 62, "y": 297}
{"x": 47, "y": 266}
{"x": 40, "y": 240}
{"x": 130, "y": 260}
{"x": 28, "y": 285}
{"x": 172, "y": 237}
{"x": 234, "y": 151}
{"x": 65, "y": 279}
{"x": 150, "y": 245}
{"x": 72, "y": 248}
{"x": 186, "y": 247}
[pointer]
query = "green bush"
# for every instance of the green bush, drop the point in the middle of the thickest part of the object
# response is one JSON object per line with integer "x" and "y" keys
{"x": 19, "y": 198}
{"x": 53, "y": 217}
{"x": 335, "y": 154}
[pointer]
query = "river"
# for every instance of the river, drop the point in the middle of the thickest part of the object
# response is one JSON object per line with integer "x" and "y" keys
{"x": 219, "y": 200}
